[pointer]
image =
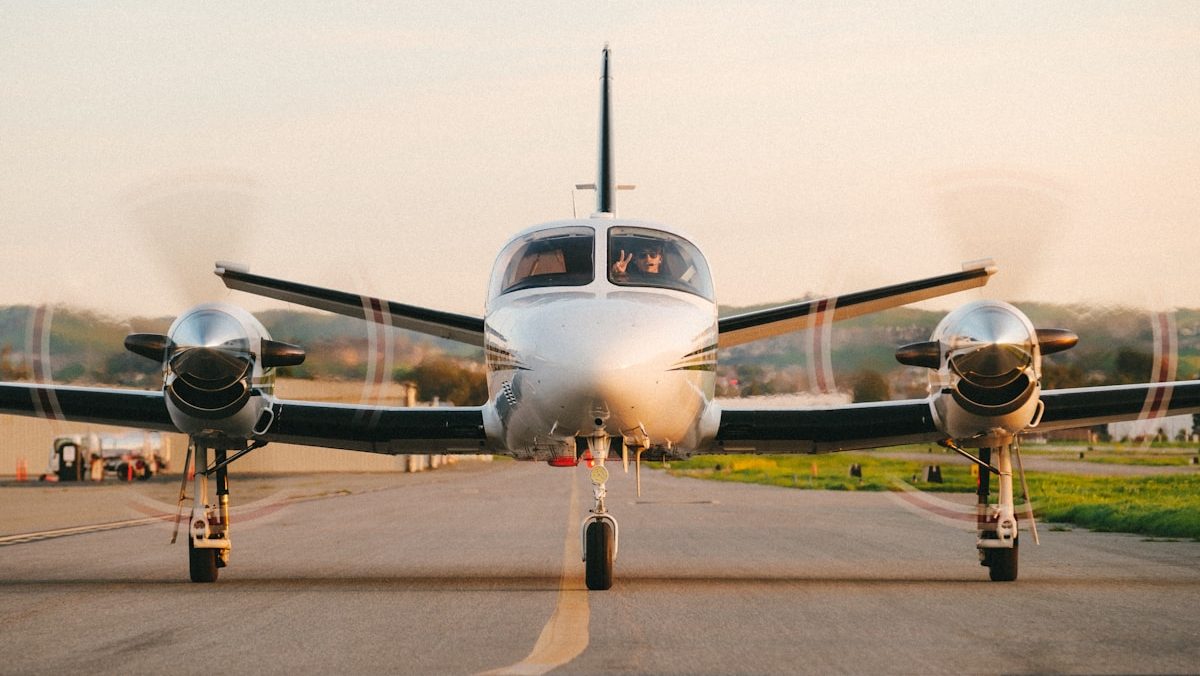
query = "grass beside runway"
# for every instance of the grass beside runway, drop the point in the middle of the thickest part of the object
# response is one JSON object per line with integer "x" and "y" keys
{"x": 1153, "y": 455}
{"x": 1166, "y": 506}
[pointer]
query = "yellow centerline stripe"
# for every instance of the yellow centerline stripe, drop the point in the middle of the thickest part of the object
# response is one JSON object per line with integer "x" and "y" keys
{"x": 565, "y": 635}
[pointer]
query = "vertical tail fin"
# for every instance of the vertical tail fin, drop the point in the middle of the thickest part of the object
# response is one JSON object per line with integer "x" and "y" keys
{"x": 606, "y": 187}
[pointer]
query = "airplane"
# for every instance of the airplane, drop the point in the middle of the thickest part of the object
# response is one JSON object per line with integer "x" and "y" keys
{"x": 600, "y": 337}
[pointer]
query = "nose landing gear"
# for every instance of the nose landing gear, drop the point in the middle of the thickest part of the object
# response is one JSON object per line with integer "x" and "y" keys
{"x": 599, "y": 530}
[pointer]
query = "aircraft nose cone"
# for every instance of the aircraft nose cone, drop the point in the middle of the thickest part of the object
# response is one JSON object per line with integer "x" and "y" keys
{"x": 611, "y": 365}
{"x": 601, "y": 362}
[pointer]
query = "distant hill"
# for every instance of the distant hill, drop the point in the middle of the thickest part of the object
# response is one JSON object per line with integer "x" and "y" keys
{"x": 87, "y": 347}
{"x": 1116, "y": 345}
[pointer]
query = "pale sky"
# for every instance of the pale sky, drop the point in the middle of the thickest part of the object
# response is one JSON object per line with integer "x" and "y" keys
{"x": 392, "y": 150}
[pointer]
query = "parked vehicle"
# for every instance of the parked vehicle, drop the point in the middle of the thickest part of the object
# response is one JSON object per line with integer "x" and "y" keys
{"x": 129, "y": 456}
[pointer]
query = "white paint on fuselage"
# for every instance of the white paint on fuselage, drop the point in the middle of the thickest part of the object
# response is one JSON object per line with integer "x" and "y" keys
{"x": 631, "y": 362}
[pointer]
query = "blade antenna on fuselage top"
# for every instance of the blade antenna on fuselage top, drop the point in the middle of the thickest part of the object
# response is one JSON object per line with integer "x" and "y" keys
{"x": 606, "y": 188}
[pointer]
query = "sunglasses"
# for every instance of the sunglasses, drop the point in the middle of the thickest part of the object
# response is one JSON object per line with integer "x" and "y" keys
{"x": 649, "y": 254}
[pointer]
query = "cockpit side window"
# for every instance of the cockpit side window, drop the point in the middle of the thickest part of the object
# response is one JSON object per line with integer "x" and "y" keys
{"x": 557, "y": 257}
{"x": 645, "y": 257}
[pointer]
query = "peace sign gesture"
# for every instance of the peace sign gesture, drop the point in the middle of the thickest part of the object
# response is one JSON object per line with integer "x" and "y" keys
{"x": 622, "y": 263}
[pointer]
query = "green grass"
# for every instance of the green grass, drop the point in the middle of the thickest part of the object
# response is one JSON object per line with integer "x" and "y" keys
{"x": 1166, "y": 456}
{"x": 1166, "y": 506}
{"x": 1156, "y": 460}
{"x": 833, "y": 471}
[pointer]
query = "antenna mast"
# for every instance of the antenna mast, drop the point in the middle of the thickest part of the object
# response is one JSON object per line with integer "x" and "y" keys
{"x": 606, "y": 188}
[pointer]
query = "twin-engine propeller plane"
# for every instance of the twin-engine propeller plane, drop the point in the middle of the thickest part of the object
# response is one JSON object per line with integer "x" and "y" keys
{"x": 562, "y": 382}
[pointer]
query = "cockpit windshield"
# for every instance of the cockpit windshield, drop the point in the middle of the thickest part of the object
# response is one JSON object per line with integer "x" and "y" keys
{"x": 555, "y": 257}
{"x": 645, "y": 257}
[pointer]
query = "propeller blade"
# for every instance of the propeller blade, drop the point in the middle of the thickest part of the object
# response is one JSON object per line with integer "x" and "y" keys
{"x": 277, "y": 353}
{"x": 150, "y": 345}
{"x": 185, "y": 221}
{"x": 1056, "y": 340}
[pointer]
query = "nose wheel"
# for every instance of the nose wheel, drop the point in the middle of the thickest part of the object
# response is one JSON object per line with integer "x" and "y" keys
{"x": 202, "y": 563}
{"x": 600, "y": 539}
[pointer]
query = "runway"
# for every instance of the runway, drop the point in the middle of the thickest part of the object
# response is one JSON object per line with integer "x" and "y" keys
{"x": 475, "y": 569}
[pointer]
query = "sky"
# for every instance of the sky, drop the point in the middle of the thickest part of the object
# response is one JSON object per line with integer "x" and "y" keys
{"x": 392, "y": 148}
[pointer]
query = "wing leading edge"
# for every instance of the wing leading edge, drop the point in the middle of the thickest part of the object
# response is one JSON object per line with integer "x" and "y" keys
{"x": 891, "y": 423}
{"x": 825, "y": 429}
{"x": 461, "y": 328}
{"x": 389, "y": 430}
{"x": 101, "y": 406}
{"x": 782, "y": 319}
{"x": 1084, "y": 406}
{"x": 456, "y": 429}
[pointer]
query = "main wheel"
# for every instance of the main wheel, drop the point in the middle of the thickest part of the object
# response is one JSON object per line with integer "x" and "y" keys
{"x": 599, "y": 565}
{"x": 202, "y": 563}
{"x": 1002, "y": 564}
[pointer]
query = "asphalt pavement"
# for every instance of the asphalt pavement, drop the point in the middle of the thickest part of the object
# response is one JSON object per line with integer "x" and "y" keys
{"x": 475, "y": 569}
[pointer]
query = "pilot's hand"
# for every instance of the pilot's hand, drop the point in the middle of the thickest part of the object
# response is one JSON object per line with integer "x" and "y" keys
{"x": 622, "y": 262}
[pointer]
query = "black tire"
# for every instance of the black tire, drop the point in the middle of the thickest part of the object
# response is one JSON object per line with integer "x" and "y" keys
{"x": 202, "y": 563}
{"x": 599, "y": 565}
{"x": 1002, "y": 564}
{"x": 145, "y": 473}
{"x": 123, "y": 473}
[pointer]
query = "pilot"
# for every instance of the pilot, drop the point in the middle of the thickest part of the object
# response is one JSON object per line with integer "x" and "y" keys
{"x": 647, "y": 263}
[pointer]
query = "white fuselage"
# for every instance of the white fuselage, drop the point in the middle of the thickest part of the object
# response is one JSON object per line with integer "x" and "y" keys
{"x": 598, "y": 357}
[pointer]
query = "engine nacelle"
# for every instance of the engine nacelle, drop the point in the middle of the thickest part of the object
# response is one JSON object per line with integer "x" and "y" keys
{"x": 217, "y": 370}
{"x": 985, "y": 361}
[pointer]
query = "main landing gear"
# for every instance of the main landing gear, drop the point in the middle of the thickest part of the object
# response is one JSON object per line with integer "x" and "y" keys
{"x": 599, "y": 530}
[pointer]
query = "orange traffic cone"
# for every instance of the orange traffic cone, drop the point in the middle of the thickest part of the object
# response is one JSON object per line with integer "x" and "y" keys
{"x": 22, "y": 470}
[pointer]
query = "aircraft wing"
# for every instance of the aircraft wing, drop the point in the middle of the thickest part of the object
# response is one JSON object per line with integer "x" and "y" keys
{"x": 360, "y": 428}
{"x": 782, "y": 319}
{"x": 1085, "y": 406}
{"x": 389, "y": 430}
{"x": 461, "y": 328}
{"x": 825, "y": 429}
{"x": 102, "y": 406}
{"x": 890, "y": 423}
